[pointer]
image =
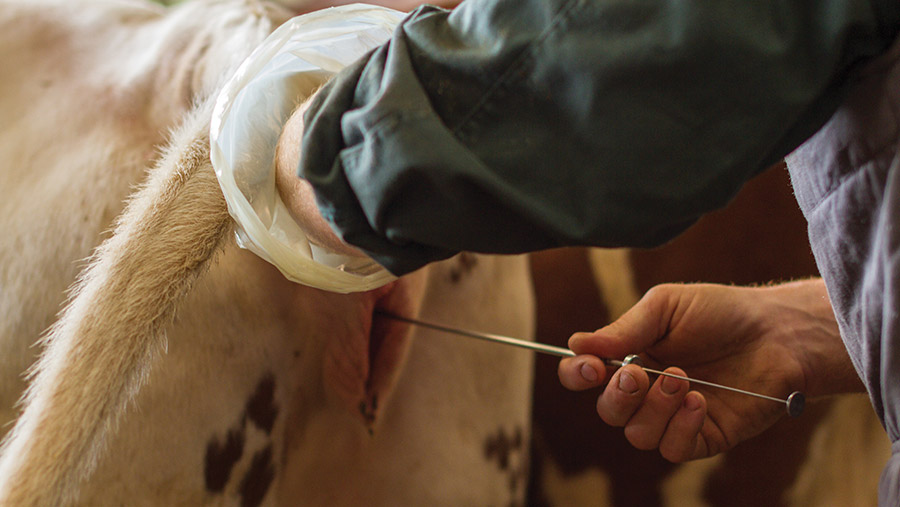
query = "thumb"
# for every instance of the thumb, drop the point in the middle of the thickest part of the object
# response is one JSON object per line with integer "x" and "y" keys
{"x": 638, "y": 329}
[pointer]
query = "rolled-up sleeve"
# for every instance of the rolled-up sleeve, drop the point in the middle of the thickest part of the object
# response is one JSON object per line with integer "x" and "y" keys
{"x": 508, "y": 126}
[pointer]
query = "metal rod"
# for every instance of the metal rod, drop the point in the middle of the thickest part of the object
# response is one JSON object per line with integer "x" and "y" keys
{"x": 793, "y": 403}
{"x": 711, "y": 384}
{"x": 496, "y": 338}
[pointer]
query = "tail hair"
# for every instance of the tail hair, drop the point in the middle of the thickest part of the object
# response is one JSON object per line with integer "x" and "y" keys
{"x": 100, "y": 351}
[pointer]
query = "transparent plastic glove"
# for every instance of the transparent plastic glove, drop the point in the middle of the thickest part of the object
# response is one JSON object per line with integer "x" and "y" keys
{"x": 250, "y": 113}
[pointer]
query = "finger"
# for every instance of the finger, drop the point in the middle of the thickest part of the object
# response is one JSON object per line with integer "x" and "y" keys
{"x": 681, "y": 441}
{"x": 623, "y": 395}
{"x": 639, "y": 328}
{"x": 581, "y": 372}
{"x": 645, "y": 429}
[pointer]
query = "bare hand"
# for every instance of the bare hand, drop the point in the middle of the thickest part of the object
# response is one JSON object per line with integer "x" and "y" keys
{"x": 772, "y": 340}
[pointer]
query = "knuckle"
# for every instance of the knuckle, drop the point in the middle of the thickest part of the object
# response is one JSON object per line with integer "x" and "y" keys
{"x": 661, "y": 292}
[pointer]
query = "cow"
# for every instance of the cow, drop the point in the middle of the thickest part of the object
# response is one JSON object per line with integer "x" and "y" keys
{"x": 179, "y": 369}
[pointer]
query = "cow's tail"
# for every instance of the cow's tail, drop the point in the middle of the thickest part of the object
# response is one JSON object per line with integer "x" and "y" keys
{"x": 99, "y": 352}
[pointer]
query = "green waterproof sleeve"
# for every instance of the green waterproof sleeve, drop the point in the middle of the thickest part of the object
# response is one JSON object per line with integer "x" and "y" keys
{"x": 515, "y": 125}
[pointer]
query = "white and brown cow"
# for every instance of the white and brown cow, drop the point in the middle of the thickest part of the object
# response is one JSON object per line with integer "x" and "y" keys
{"x": 185, "y": 371}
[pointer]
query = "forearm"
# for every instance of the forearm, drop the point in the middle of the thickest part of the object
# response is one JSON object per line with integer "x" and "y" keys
{"x": 297, "y": 194}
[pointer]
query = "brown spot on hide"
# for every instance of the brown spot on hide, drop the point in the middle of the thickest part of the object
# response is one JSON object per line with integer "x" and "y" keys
{"x": 258, "y": 479}
{"x": 510, "y": 453}
{"x": 221, "y": 458}
{"x": 261, "y": 408}
{"x": 501, "y": 447}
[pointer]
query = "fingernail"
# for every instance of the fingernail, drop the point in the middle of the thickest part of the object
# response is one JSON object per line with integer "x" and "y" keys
{"x": 670, "y": 385}
{"x": 692, "y": 402}
{"x": 627, "y": 383}
{"x": 589, "y": 373}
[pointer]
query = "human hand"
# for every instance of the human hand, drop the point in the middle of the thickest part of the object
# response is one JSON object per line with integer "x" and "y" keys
{"x": 297, "y": 194}
{"x": 772, "y": 340}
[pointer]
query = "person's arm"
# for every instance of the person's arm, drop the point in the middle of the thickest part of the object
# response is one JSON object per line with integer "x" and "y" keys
{"x": 515, "y": 125}
{"x": 297, "y": 194}
{"x": 772, "y": 340}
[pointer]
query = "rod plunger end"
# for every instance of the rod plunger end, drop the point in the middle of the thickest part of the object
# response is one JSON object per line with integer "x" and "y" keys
{"x": 795, "y": 403}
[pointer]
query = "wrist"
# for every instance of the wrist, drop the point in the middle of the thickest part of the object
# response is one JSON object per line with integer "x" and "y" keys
{"x": 810, "y": 330}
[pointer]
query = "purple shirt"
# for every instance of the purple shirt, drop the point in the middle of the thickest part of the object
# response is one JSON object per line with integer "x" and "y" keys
{"x": 847, "y": 181}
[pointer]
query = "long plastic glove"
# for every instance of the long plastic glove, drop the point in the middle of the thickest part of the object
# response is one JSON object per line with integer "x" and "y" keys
{"x": 249, "y": 117}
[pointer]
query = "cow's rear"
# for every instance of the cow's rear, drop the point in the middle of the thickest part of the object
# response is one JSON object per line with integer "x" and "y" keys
{"x": 185, "y": 370}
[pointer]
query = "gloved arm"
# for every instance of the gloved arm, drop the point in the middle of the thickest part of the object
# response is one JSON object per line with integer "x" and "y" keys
{"x": 516, "y": 125}
{"x": 297, "y": 194}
